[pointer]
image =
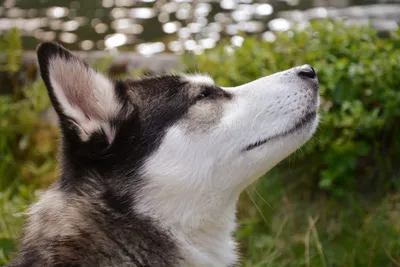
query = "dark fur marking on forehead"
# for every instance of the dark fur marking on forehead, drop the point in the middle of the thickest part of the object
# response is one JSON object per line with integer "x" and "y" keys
{"x": 156, "y": 85}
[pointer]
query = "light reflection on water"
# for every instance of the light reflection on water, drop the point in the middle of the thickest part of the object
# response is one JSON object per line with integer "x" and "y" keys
{"x": 157, "y": 26}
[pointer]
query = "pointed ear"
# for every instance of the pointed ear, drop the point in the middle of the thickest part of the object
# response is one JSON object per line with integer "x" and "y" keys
{"x": 86, "y": 99}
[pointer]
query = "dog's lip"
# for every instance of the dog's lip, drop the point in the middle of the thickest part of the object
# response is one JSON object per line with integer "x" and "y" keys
{"x": 300, "y": 124}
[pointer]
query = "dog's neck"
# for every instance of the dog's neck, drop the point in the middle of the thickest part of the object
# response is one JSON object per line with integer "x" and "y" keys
{"x": 201, "y": 223}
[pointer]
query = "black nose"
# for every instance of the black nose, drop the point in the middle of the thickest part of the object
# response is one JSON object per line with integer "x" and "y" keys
{"x": 307, "y": 71}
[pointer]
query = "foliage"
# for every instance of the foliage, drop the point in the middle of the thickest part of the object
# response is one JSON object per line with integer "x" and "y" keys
{"x": 10, "y": 47}
{"x": 27, "y": 143}
{"x": 357, "y": 146}
{"x": 12, "y": 208}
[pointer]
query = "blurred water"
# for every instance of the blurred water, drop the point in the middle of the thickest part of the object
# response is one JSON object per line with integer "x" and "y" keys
{"x": 155, "y": 26}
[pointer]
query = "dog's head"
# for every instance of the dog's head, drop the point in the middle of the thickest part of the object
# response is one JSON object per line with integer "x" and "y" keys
{"x": 180, "y": 135}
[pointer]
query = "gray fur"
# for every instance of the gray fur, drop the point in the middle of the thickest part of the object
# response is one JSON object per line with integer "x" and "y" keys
{"x": 80, "y": 230}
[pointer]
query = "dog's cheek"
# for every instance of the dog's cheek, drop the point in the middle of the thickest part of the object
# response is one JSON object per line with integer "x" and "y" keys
{"x": 204, "y": 116}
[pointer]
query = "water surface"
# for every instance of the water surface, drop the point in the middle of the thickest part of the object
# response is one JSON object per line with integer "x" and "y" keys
{"x": 150, "y": 26}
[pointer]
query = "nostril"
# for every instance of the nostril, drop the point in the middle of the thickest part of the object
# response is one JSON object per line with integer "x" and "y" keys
{"x": 307, "y": 71}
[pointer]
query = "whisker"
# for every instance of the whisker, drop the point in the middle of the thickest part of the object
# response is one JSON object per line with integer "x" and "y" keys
{"x": 254, "y": 188}
{"x": 293, "y": 159}
{"x": 301, "y": 151}
{"x": 256, "y": 117}
{"x": 259, "y": 210}
{"x": 316, "y": 139}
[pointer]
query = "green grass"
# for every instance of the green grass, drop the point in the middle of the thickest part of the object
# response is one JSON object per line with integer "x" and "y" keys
{"x": 288, "y": 229}
{"x": 12, "y": 213}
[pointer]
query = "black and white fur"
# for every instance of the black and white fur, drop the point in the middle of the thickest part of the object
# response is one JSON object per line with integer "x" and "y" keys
{"x": 151, "y": 169}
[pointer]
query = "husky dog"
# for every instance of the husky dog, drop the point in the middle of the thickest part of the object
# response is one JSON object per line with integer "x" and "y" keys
{"x": 152, "y": 168}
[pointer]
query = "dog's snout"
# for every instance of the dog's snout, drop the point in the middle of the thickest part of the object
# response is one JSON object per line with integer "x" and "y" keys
{"x": 307, "y": 71}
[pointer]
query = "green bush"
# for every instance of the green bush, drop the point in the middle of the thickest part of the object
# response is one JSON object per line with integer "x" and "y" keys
{"x": 27, "y": 143}
{"x": 357, "y": 145}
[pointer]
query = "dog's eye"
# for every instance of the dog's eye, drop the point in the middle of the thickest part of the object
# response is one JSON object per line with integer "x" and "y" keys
{"x": 204, "y": 94}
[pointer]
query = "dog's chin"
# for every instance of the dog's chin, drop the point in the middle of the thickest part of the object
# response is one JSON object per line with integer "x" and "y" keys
{"x": 306, "y": 131}
{"x": 264, "y": 157}
{"x": 301, "y": 133}
{"x": 302, "y": 130}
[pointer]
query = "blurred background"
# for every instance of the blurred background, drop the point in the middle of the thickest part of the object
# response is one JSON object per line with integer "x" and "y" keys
{"x": 156, "y": 26}
{"x": 335, "y": 202}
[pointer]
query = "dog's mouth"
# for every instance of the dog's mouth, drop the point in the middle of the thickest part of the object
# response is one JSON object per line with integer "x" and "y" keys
{"x": 299, "y": 125}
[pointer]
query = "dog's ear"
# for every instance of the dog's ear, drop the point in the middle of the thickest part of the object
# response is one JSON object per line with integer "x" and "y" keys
{"x": 84, "y": 99}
